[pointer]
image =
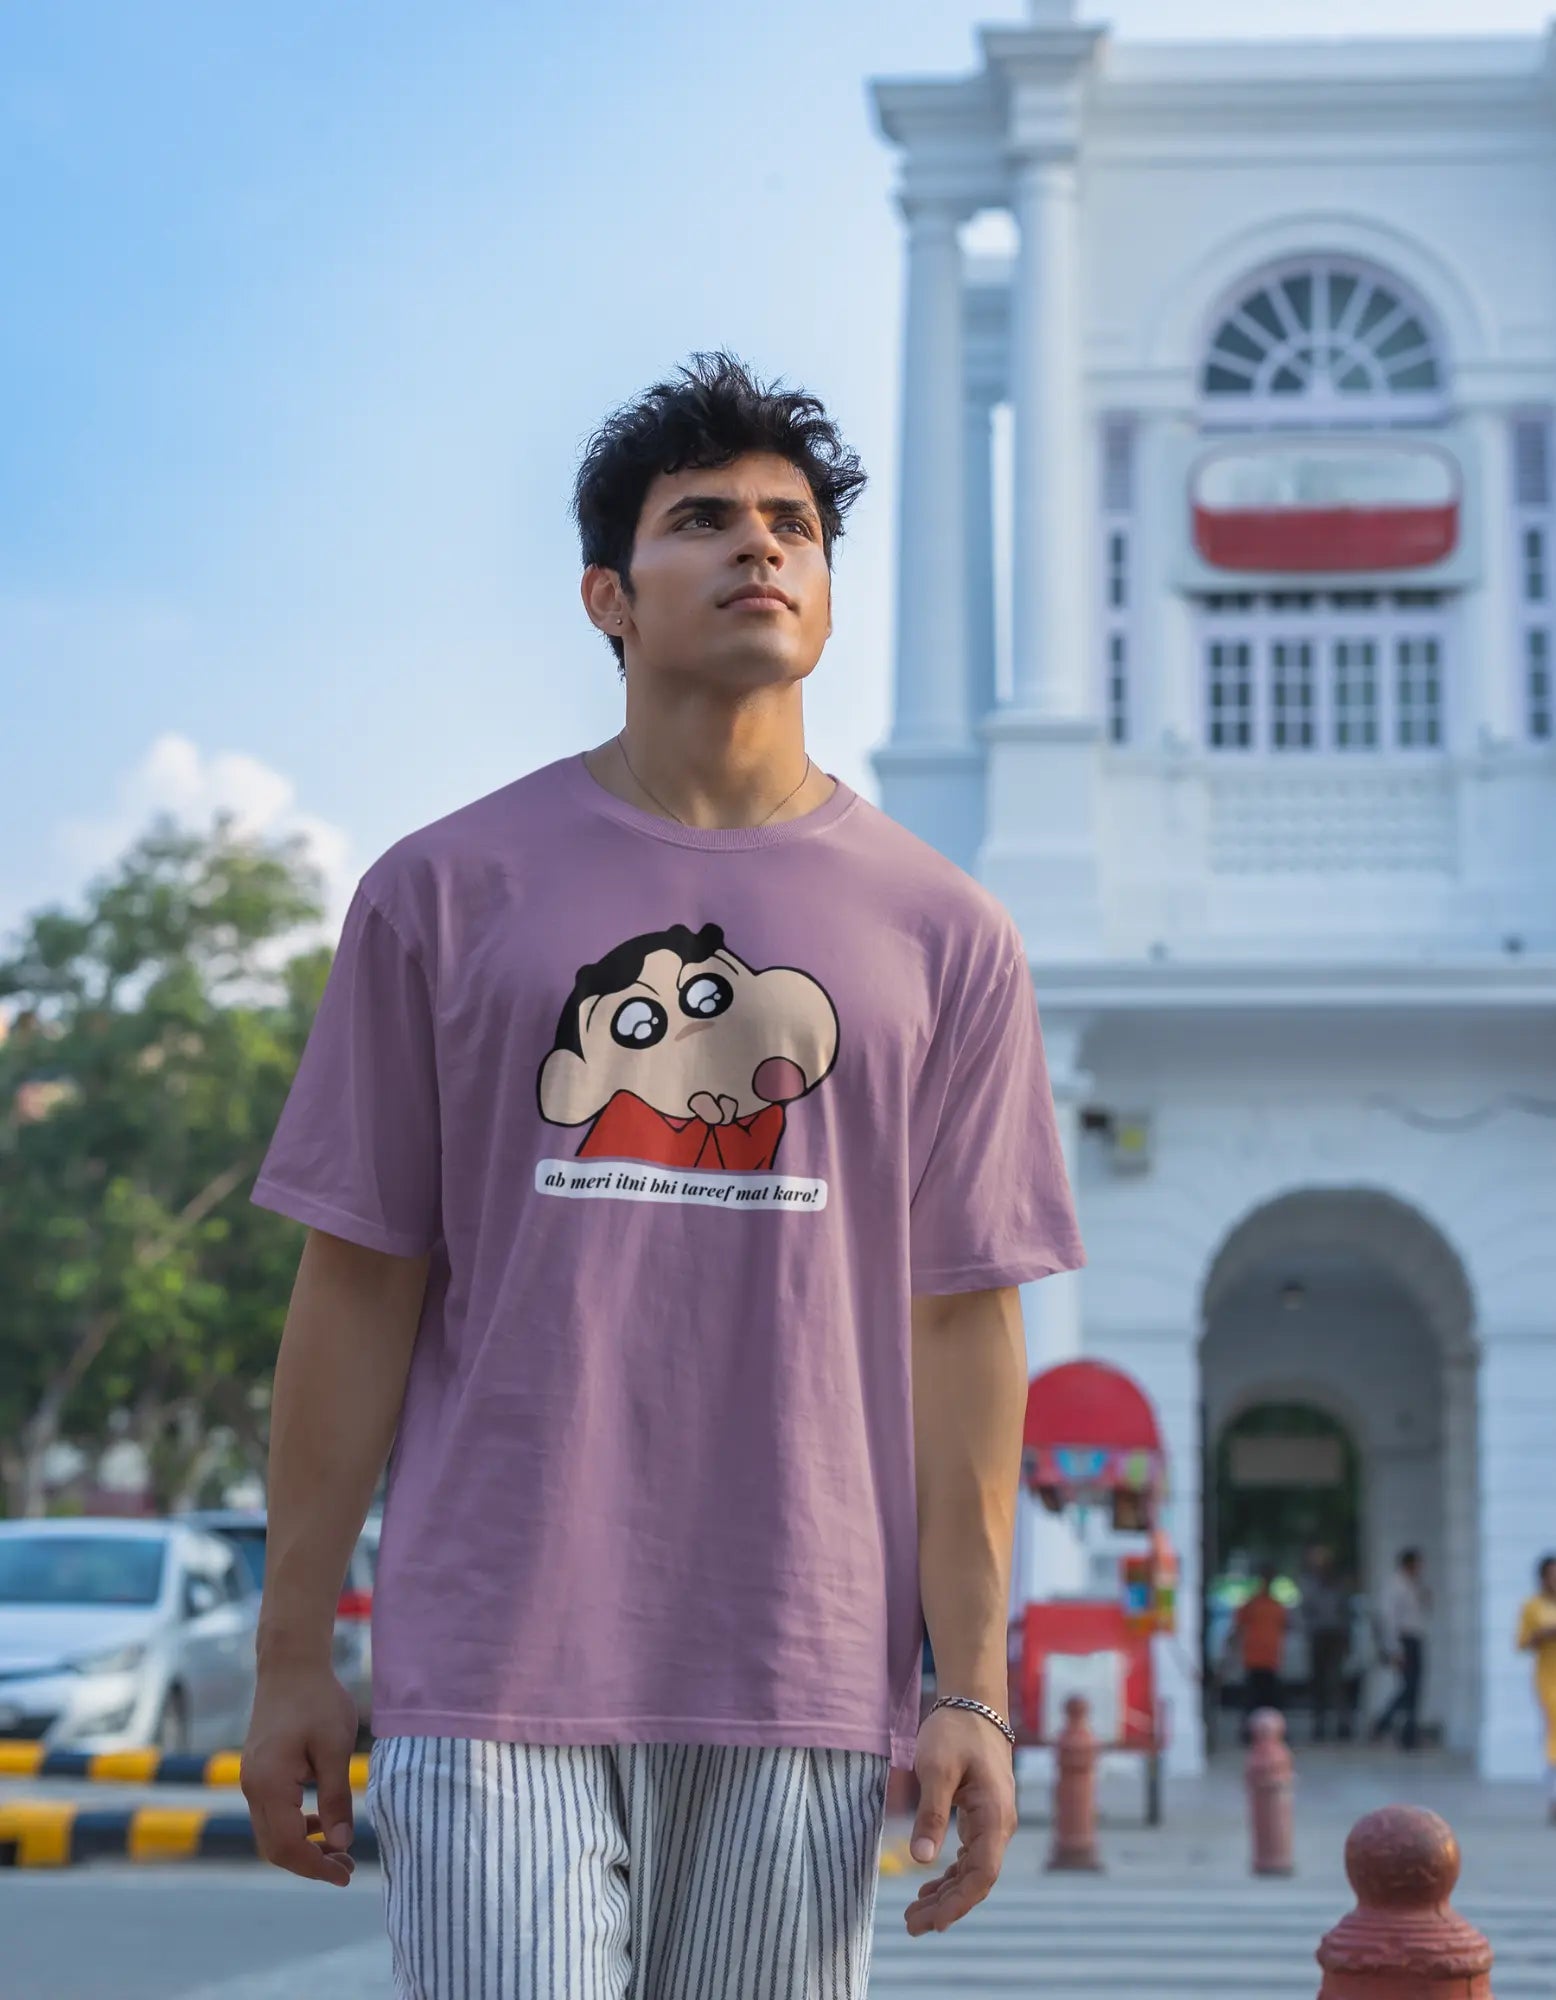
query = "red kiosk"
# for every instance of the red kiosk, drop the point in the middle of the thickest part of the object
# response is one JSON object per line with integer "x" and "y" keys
{"x": 1091, "y": 1440}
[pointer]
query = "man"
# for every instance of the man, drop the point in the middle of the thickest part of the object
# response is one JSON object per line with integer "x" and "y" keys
{"x": 1403, "y": 1616}
{"x": 673, "y": 1136}
{"x": 1259, "y": 1634}
{"x": 1326, "y": 1620}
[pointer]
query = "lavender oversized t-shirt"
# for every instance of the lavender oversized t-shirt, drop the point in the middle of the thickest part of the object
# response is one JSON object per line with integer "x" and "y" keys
{"x": 684, "y": 1117}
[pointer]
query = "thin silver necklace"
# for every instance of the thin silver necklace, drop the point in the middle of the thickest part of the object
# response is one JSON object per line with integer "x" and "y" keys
{"x": 675, "y": 815}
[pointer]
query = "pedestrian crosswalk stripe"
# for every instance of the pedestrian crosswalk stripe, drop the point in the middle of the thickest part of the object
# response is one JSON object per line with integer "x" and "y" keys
{"x": 1121, "y": 1940}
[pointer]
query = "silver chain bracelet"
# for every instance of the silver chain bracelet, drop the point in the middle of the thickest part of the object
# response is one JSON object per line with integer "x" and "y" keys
{"x": 980, "y": 1708}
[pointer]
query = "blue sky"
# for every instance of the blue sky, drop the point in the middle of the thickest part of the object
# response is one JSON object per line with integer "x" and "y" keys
{"x": 308, "y": 312}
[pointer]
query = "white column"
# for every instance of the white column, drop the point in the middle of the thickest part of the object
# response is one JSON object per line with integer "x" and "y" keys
{"x": 1054, "y": 517}
{"x": 1458, "y": 1594}
{"x": 1163, "y": 667}
{"x": 1492, "y": 672}
{"x": 931, "y": 691}
{"x": 1052, "y": 1557}
{"x": 1517, "y": 1419}
{"x": 979, "y": 461}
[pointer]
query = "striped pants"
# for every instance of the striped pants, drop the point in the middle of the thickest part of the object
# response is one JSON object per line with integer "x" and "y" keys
{"x": 633, "y": 1871}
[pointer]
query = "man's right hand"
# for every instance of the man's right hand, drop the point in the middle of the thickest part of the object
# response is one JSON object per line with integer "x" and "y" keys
{"x": 302, "y": 1733}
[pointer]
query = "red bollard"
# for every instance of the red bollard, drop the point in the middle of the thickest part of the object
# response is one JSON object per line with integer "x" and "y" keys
{"x": 1267, "y": 1773}
{"x": 1403, "y": 1941}
{"x": 1075, "y": 1792}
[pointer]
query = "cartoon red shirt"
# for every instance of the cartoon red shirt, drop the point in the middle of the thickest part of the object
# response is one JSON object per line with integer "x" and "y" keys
{"x": 629, "y": 1129}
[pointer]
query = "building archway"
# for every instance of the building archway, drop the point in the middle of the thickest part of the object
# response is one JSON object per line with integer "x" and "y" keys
{"x": 1339, "y": 1323}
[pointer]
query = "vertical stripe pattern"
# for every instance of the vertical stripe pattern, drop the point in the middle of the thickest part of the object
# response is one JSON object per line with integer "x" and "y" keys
{"x": 632, "y": 1871}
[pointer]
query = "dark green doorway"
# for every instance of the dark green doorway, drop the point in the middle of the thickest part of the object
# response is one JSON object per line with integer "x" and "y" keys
{"x": 1281, "y": 1478}
{"x": 1287, "y": 1475}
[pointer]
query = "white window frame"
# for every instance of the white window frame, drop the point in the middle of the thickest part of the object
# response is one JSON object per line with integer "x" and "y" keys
{"x": 1369, "y": 670}
{"x": 1533, "y": 529}
{"x": 1319, "y": 405}
{"x": 1417, "y": 665}
{"x": 1292, "y": 669}
{"x": 1281, "y": 629}
{"x": 1230, "y": 665}
{"x": 1116, "y": 569}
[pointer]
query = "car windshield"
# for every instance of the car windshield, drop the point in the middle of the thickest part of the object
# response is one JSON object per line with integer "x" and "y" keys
{"x": 80, "y": 1569}
{"x": 250, "y": 1545}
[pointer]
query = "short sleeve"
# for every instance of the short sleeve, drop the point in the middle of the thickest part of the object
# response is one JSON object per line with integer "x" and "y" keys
{"x": 993, "y": 1203}
{"x": 356, "y": 1150}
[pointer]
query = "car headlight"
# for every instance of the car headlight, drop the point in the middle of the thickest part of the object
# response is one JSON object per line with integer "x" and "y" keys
{"x": 117, "y": 1660}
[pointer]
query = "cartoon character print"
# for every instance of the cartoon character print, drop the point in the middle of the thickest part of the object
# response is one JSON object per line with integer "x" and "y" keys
{"x": 672, "y": 1049}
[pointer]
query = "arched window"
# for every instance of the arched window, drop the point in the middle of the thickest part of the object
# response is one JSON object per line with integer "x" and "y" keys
{"x": 1327, "y": 341}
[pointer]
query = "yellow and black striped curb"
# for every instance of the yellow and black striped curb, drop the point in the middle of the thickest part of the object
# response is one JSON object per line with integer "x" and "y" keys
{"x": 36, "y": 1833}
{"x": 132, "y": 1767}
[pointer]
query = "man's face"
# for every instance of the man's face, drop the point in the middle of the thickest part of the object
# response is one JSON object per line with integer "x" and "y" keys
{"x": 706, "y": 540}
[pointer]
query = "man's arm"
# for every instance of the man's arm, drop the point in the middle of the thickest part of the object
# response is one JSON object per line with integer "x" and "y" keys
{"x": 339, "y": 1385}
{"x": 969, "y": 1402}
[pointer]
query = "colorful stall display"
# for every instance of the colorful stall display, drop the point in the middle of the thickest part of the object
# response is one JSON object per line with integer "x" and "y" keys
{"x": 1091, "y": 1439}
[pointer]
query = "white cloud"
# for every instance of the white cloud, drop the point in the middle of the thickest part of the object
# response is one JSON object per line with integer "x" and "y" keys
{"x": 176, "y": 777}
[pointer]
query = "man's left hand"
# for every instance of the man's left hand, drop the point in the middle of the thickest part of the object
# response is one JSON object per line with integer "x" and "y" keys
{"x": 964, "y": 1765}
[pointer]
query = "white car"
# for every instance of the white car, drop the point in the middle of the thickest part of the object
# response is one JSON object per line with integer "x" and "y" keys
{"x": 352, "y": 1648}
{"x": 116, "y": 1634}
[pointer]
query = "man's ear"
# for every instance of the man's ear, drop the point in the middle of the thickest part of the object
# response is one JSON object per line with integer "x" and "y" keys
{"x": 569, "y": 1092}
{"x": 605, "y": 599}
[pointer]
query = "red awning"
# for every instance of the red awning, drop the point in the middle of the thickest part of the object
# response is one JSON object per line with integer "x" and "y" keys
{"x": 1089, "y": 1403}
{"x": 1090, "y": 1432}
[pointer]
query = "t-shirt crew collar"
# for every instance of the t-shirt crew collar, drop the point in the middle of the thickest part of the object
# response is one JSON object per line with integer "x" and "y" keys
{"x": 590, "y": 793}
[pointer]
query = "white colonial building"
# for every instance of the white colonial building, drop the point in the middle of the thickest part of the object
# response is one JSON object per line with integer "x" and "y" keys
{"x": 1224, "y": 657}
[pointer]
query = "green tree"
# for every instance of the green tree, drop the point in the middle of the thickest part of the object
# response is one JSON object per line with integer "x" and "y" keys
{"x": 150, "y": 1050}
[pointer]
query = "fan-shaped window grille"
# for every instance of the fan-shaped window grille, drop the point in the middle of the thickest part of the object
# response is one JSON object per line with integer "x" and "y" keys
{"x": 1321, "y": 342}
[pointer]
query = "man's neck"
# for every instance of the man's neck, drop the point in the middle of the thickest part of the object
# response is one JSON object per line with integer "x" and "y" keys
{"x": 764, "y": 789}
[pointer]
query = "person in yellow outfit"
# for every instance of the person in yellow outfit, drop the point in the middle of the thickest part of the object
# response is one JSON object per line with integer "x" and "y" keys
{"x": 1537, "y": 1635}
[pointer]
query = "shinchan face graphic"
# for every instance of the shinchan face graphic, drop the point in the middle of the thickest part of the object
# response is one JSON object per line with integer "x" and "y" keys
{"x": 673, "y": 1049}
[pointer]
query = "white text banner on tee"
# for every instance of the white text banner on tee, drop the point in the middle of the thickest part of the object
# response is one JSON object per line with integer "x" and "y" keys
{"x": 636, "y": 1180}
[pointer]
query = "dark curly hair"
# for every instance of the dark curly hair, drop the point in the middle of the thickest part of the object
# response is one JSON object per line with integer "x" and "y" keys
{"x": 713, "y": 411}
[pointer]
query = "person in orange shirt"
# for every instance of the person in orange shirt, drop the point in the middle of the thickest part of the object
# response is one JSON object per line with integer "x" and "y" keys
{"x": 1259, "y": 1634}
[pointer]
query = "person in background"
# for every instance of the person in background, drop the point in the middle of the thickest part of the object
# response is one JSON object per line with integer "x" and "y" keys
{"x": 1360, "y": 1647}
{"x": 1259, "y": 1634}
{"x": 1326, "y": 1620}
{"x": 1537, "y": 1635}
{"x": 1406, "y": 1603}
